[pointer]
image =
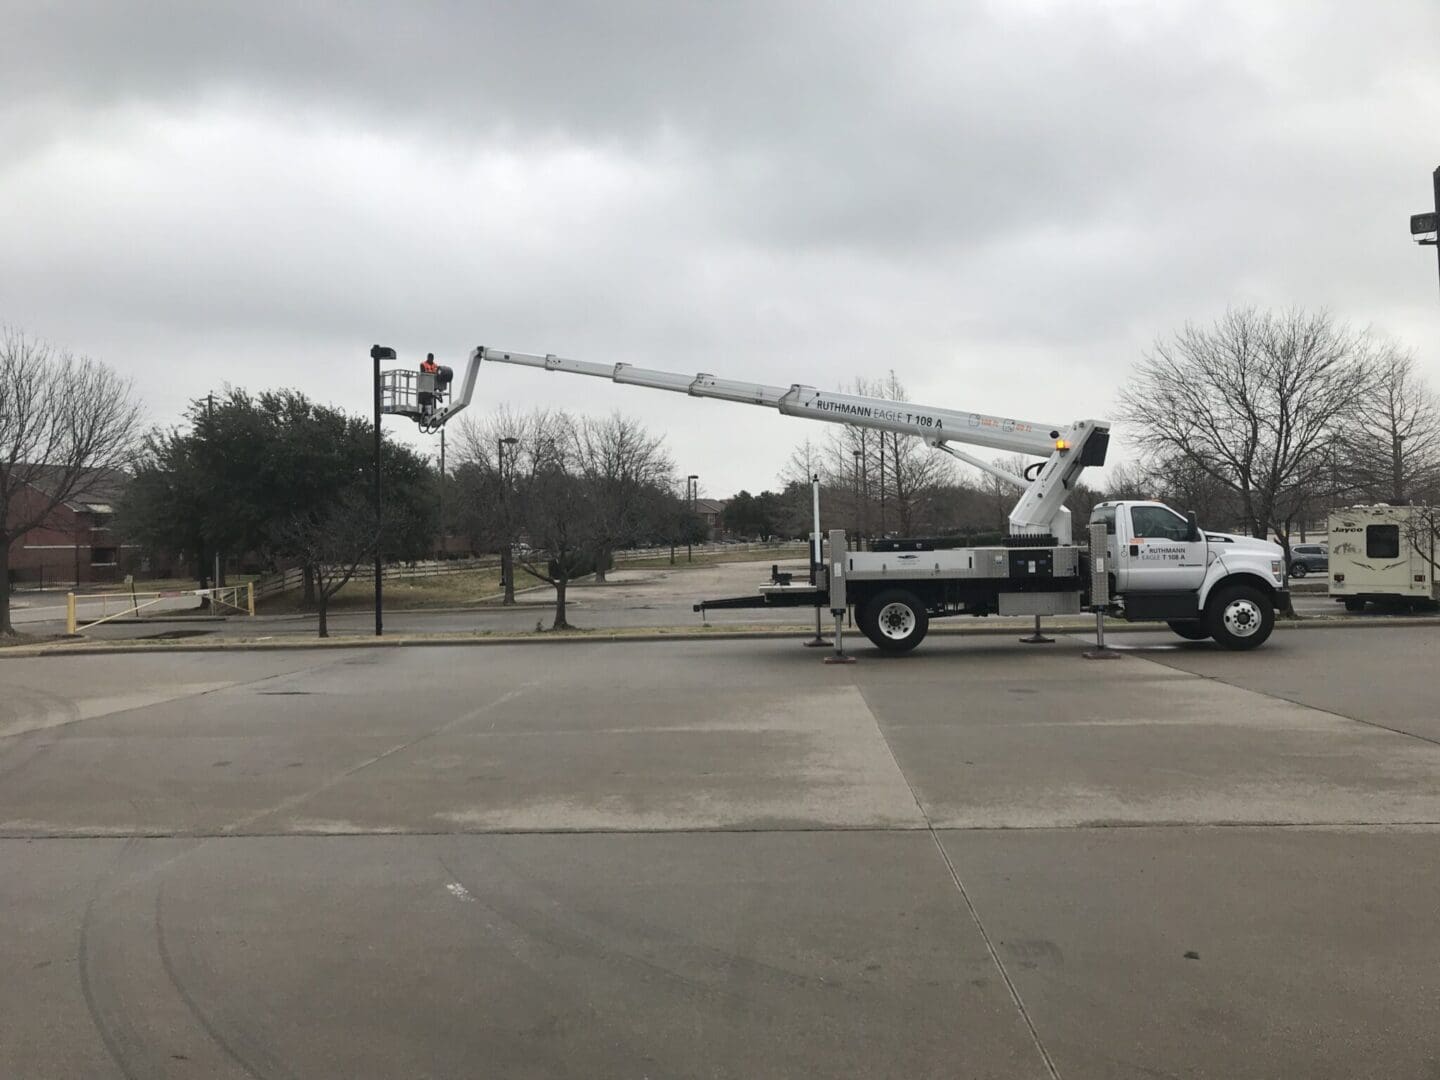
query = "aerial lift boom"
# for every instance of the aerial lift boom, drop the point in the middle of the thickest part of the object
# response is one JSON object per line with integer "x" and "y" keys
{"x": 1041, "y": 512}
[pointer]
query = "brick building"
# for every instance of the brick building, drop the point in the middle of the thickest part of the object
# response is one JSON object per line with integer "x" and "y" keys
{"x": 75, "y": 542}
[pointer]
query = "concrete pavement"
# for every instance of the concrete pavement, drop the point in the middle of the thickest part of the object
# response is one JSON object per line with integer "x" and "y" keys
{"x": 724, "y": 858}
{"x": 654, "y": 597}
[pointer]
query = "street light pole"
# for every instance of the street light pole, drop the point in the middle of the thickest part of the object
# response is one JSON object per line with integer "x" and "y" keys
{"x": 855, "y": 483}
{"x": 1397, "y": 468}
{"x": 882, "y": 484}
{"x": 378, "y": 353}
{"x": 691, "y": 490}
{"x": 507, "y": 557}
{"x": 1429, "y": 222}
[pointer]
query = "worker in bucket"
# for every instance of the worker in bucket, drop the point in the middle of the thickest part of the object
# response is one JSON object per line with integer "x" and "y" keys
{"x": 426, "y": 398}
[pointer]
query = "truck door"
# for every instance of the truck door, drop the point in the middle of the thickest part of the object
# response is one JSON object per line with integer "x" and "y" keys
{"x": 1158, "y": 554}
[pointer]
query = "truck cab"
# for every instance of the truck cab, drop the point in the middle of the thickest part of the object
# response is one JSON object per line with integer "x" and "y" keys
{"x": 1203, "y": 584}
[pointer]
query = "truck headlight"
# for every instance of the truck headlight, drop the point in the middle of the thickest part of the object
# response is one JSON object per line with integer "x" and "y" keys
{"x": 1276, "y": 566}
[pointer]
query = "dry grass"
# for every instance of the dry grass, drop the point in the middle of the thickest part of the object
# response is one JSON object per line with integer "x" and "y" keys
{"x": 438, "y": 591}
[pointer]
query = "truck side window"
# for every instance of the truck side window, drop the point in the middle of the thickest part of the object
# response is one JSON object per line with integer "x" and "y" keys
{"x": 1159, "y": 523}
{"x": 1382, "y": 541}
{"x": 1104, "y": 514}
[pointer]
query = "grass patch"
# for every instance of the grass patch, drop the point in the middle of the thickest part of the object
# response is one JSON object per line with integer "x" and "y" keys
{"x": 436, "y": 591}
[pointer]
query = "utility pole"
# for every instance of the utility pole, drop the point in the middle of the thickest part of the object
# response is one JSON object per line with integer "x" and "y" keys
{"x": 378, "y": 353}
{"x": 882, "y": 485}
{"x": 507, "y": 556}
{"x": 1397, "y": 469}
{"x": 444, "y": 547}
{"x": 1421, "y": 224}
{"x": 692, "y": 489}
{"x": 210, "y": 417}
{"x": 855, "y": 483}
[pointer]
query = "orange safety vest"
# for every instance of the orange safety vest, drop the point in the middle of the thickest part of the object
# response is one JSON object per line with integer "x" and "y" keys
{"x": 429, "y": 368}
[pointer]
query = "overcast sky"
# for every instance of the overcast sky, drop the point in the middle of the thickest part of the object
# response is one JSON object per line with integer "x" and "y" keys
{"x": 1005, "y": 202}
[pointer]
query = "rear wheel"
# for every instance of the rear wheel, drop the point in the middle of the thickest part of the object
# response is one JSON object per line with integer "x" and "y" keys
{"x": 863, "y": 622}
{"x": 1240, "y": 617}
{"x": 895, "y": 621}
{"x": 1354, "y": 603}
{"x": 1190, "y": 631}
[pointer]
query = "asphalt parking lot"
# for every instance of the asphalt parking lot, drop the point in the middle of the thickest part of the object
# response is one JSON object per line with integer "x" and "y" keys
{"x": 725, "y": 858}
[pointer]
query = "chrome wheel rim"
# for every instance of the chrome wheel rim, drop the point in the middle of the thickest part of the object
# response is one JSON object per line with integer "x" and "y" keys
{"x": 1242, "y": 617}
{"x": 896, "y": 621}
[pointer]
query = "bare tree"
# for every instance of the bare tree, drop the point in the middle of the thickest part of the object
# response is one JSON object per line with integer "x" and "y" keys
{"x": 1003, "y": 495}
{"x": 1256, "y": 401}
{"x": 1390, "y": 451}
{"x": 63, "y": 419}
{"x": 621, "y": 464}
{"x": 555, "y": 507}
{"x": 1422, "y": 534}
{"x": 914, "y": 469}
{"x": 486, "y": 484}
{"x": 898, "y": 474}
{"x": 329, "y": 541}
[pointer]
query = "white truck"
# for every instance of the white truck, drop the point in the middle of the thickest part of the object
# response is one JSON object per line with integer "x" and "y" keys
{"x": 1157, "y": 564}
{"x": 1384, "y": 555}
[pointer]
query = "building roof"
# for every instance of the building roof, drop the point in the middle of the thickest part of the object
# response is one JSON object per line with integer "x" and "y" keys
{"x": 710, "y": 506}
{"x": 96, "y": 491}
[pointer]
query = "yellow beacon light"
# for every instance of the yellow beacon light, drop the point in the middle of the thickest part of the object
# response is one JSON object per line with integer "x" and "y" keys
{"x": 1062, "y": 444}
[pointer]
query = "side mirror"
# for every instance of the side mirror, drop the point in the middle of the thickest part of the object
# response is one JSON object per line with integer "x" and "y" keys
{"x": 1195, "y": 534}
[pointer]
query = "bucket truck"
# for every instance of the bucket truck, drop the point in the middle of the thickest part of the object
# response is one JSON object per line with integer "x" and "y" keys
{"x": 1156, "y": 564}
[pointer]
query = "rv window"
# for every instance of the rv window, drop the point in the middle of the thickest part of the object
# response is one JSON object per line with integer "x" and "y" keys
{"x": 1382, "y": 541}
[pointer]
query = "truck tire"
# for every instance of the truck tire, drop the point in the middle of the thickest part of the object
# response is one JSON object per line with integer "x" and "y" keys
{"x": 1239, "y": 617}
{"x": 1190, "y": 630}
{"x": 895, "y": 621}
{"x": 1354, "y": 603}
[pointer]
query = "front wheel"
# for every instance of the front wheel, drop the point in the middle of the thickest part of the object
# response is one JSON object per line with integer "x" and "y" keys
{"x": 896, "y": 621}
{"x": 1190, "y": 631}
{"x": 1240, "y": 617}
{"x": 1298, "y": 569}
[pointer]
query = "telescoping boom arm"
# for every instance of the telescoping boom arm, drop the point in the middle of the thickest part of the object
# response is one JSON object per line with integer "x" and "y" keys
{"x": 1067, "y": 450}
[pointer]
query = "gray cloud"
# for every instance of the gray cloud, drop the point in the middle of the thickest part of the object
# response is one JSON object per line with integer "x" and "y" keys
{"x": 1004, "y": 203}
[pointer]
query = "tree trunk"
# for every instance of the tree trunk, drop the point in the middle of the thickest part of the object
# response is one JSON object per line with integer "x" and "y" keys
{"x": 202, "y": 576}
{"x": 602, "y": 563}
{"x": 323, "y": 603}
{"x": 560, "y": 622}
{"x": 507, "y": 573}
{"x": 307, "y": 587}
{"x": 6, "y": 627}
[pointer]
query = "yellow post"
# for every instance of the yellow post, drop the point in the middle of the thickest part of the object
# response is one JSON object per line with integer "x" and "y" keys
{"x": 70, "y": 613}
{"x": 250, "y": 591}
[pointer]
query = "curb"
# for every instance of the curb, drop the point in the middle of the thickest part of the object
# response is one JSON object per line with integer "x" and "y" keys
{"x": 641, "y": 635}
